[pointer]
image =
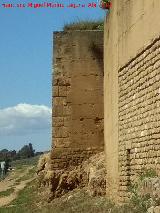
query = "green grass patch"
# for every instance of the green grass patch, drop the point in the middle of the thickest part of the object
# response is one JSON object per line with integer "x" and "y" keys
{"x": 81, "y": 202}
{"x": 25, "y": 201}
{"x": 77, "y": 201}
{"x": 7, "y": 192}
{"x": 147, "y": 173}
{"x": 27, "y": 176}
{"x": 19, "y": 164}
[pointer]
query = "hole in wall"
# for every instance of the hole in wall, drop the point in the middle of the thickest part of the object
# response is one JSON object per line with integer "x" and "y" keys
{"x": 128, "y": 167}
{"x": 97, "y": 120}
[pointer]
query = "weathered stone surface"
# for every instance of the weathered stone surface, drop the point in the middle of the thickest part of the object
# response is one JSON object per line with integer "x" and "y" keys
{"x": 91, "y": 174}
{"x": 77, "y": 97}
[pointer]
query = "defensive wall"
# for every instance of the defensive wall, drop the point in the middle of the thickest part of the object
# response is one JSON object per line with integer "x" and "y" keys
{"x": 131, "y": 92}
{"x": 78, "y": 113}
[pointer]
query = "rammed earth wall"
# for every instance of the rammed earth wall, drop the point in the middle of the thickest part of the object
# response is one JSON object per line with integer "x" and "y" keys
{"x": 77, "y": 97}
{"x": 131, "y": 92}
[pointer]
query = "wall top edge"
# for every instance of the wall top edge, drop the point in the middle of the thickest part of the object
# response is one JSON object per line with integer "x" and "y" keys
{"x": 71, "y": 31}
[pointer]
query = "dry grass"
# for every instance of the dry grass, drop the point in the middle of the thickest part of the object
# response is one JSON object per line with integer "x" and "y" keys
{"x": 85, "y": 25}
{"x": 33, "y": 199}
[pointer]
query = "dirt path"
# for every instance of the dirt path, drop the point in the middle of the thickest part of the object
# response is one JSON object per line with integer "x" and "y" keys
{"x": 10, "y": 182}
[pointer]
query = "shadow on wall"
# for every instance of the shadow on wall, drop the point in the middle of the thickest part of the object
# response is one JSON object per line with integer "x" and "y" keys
{"x": 98, "y": 53}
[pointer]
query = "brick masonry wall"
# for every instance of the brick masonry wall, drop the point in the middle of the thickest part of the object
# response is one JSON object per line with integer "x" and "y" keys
{"x": 139, "y": 115}
{"x": 71, "y": 157}
{"x": 130, "y": 26}
{"x": 77, "y": 96}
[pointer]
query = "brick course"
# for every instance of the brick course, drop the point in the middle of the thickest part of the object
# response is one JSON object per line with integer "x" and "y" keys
{"x": 139, "y": 115}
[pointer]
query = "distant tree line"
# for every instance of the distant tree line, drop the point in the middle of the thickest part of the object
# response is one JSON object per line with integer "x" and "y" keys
{"x": 26, "y": 151}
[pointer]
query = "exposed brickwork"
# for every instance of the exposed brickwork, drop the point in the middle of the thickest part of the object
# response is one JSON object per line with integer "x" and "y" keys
{"x": 68, "y": 158}
{"x": 77, "y": 96}
{"x": 139, "y": 115}
{"x": 131, "y": 92}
